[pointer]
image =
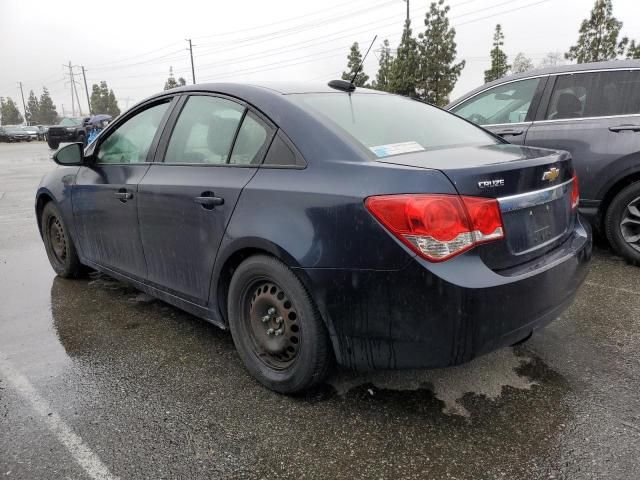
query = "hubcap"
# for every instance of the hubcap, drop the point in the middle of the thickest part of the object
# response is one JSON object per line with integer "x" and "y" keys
{"x": 630, "y": 224}
{"x": 274, "y": 325}
{"x": 58, "y": 240}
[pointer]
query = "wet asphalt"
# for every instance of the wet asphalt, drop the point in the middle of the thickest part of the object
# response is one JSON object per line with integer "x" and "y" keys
{"x": 98, "y": 380}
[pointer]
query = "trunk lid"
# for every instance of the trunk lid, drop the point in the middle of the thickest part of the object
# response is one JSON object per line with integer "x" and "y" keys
{"x": 533, "y": 187}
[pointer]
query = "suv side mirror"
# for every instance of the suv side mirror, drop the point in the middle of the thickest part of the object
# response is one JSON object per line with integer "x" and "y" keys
{"x": 70, "y": 155}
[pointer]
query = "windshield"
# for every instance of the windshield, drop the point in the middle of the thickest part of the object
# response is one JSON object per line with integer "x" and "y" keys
{"x": 391, "y": 125}
{"x": 70, "y": 122}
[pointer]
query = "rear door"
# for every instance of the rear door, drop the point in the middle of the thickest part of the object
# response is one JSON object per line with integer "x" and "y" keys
{"x": 596, "y": 117}
{"x": 188, "y": 195}
{"x": 506, "y": 109}
{"x": 105, "y": 196}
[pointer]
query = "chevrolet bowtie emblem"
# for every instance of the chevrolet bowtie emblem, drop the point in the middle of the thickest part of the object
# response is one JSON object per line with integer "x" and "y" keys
{"x": 551, "y": 174}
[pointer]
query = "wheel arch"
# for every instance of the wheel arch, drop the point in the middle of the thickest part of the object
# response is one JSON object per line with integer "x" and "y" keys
{"x": 610, "y": 192}
{"x": 42, "y": 199}
{"x": 234, "y": 254}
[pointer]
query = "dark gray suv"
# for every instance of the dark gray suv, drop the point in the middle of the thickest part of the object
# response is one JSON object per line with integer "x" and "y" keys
{"x": 593, "y": 111}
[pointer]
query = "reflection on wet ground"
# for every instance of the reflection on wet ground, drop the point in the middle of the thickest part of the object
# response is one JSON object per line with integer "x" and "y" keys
{"x": 153, "y": 392}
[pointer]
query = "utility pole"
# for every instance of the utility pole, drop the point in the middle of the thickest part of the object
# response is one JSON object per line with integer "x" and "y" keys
{"x": 86, "y": 89}
{"x": 73, "y": 102}
{"x": 75, "y": 89}
{"x": 24, "y": 106}
{"x": 193, "y": 71}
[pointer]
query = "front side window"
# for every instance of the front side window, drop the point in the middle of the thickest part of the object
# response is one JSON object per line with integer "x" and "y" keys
{"x": 131, "y": 141}
{"x": 205, "y": 131}
{"x": 596, "y": 94}
{"x": 508, "y": 103}
{"x": 391, "y": 125}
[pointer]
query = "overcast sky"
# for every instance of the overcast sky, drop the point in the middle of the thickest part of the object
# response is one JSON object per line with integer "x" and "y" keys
{"x": 131, "y": 44}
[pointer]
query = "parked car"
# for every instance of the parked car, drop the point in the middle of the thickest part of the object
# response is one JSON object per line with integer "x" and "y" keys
{"x": 321, "y": 223}
{"x": 33, "y": 132}
{"x": 591, "y": 110}
{"x": 68, "y": 130}
{"x": 11, "y": 133}
{"x": 42, "y": 131}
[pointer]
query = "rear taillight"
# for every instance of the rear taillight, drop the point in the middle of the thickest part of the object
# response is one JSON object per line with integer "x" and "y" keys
{"x": 438, "y": 227}
{"x": 575, "y": 193}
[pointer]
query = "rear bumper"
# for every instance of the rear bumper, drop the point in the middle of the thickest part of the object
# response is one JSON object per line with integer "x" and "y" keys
{"x": 435, "y": 315}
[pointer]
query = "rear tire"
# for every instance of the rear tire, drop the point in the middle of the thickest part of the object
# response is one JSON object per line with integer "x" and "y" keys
{"x": 58, "y": 244}
{"x": 622, "y": 223}
{"x": 276, "y": 327}
{"x": 53, "y": 145}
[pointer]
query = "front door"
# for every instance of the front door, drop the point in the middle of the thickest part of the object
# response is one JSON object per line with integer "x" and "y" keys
{"x": 505, "y": 109}
{"x": 105, "y": 193}
{"x": 186, "y": 199}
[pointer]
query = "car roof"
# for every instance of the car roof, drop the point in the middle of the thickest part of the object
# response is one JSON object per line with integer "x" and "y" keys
{"x": 572, "y": 68}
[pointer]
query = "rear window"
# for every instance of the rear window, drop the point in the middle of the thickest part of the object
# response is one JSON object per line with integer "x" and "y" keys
{"x": 391, "y": 125}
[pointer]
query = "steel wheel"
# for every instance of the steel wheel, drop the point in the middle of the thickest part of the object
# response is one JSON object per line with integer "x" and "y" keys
{"x": 630, "y": 224}
{"x": 58, "y": 239}
{"x": 273, "y": 326}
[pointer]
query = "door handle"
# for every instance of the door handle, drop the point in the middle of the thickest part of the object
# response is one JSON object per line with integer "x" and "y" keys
{"x": 622, "y": 128}
{"x": 123, "y": 196}
{"x": 514, "y": 132}
{"x": 208, "y": 200}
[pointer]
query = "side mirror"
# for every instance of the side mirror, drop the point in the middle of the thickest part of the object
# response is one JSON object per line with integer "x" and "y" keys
{"x": 70, "y": 155}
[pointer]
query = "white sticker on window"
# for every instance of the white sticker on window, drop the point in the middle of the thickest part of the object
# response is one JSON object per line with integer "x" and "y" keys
{"x": 396, "y": 149}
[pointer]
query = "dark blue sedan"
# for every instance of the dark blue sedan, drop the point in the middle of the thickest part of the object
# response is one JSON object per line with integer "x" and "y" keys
{"x": 321, "y": 224}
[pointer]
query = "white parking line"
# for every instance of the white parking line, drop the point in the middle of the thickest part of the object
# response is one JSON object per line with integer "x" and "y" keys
{"x": 81, "y": 453}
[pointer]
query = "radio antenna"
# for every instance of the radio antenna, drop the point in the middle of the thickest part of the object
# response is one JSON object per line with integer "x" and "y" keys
{"x": 361, "y": 63}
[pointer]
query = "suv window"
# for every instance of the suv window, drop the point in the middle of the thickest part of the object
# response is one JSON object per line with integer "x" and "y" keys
{"x": 131, "y": 141}
{"x": 204, "y": 131}
{"x": 508, "y": 103}
{"x": 595, "y": 95}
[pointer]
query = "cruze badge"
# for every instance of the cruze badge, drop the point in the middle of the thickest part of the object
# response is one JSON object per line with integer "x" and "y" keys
{"x": 491, "y": 183}
{"x": 551, "y": 174}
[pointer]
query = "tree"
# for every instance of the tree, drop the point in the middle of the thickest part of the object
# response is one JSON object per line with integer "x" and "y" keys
{"x": 552, "y": 59}
{"x": 33, "y": 109}
{"x": 633, "y": 50}
{"x": 437, "y": 74}
{"x": 403, "y": 74}
{"x": 385, "y": 64}
{"x": 172, "y": 82}
{"x": 598, "y": 38}
{"x": 521, "y": 64}
{"x": 499, "y": 65}
{"x": 9, "y": 113}
{"x": 48, "y": 114}
{"x": 354, "y": 59}
{"x": 104, "y": 100}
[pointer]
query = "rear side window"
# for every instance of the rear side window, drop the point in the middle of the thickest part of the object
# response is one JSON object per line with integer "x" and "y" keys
{"x": 204, "y": 131}
{"x": 281, "y": 154}
{"x": 508, "y": 103}
{"x": 595, "y": 95}
{"x": 251, "y": 142}
{"x": 390, "y": 125}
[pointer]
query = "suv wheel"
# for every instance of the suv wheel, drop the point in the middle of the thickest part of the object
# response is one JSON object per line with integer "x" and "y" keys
{"x": 622, "y": 223}
{"x": 53, "y": 145}
{"x": 276, "y": 327}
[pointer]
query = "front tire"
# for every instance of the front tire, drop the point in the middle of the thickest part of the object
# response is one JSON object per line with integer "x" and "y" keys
{"x": 58, "y": 244}
{"x": 276, "y": 327}
{"x": 53, "y": 145}
{"x": 622, "y": 223}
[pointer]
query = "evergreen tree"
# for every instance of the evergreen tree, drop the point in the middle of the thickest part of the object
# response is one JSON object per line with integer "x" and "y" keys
{"x": 521, "y": 64}
{"x": 633, "y": 50}
{"x": 404, "y": 69}
{"x": 499, "y": 65}
{"x": 48, "y": 114}
{"x": 598, "y": 38}
{"x": 354, "y": 59}
{"x": 181, "y": 82}
{"x": 385, "y": 64}
{"x": 9, "y": 113}
{"x": 437, "y": 73}
{"x": 104, "y": 100}
{"x": 33, "y": 109}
